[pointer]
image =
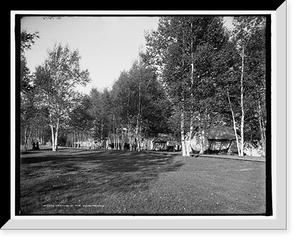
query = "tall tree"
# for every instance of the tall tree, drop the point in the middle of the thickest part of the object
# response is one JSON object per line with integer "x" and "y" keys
{"x": 183, "y": 49}
{"x": 245, "y": 30}
{"x": 27, "y": 40}
{"x": 101, "y": 111}
{"x": 256, "y": 80}
{"x": 56, "y": 80}
{"x": 140, "y": 103}
{"x": 80, "y": 119}
{"x": 28, "y": 111}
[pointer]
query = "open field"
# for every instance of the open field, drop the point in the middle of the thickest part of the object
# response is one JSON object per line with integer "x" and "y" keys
{"x": 75, "y": 181}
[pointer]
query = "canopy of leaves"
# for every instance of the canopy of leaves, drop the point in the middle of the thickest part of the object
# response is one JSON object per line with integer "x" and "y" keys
{"x": 57, "y": 78}
{"x": 136, "y": 101}
{"x": 192, "y": 64}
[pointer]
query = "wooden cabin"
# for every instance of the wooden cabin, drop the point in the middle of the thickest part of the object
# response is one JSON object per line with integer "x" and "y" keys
{"x": 221, "y": 140}
{"x": 216, "y": 140}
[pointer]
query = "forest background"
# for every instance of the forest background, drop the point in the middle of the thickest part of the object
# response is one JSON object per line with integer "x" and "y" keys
{"x": 194, "y": 75}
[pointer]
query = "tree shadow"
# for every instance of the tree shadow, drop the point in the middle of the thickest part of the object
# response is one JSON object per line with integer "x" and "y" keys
{"x": 132, "y": 170}
{"x": 46, "y": 154}
{"x": 88, "y": 172}
{"x": 125, "y": 171}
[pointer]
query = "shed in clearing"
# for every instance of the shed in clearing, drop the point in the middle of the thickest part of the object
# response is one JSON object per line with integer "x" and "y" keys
{"x": 216, "y": 140}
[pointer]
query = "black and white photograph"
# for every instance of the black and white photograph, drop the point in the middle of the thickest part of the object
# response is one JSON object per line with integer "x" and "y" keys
{"x": 144, "y": 115}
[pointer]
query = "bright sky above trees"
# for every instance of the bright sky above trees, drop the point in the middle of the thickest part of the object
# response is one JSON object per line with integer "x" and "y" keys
{"x": 107, "y": 45}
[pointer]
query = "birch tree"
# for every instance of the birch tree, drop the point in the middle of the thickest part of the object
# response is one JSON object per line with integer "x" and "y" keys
{"x": 183, "y": 49}
{"x": 56, "y": 80}
{"x": 245, "y": 27}
{"x": 139, "y": 102}
{"x": 257, "y": 87}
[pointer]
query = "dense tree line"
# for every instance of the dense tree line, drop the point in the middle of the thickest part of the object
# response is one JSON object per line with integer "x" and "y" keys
{"x": 136, "y": 104}
{"x": 213, "y": 75}
{"x": 194, "y": 74}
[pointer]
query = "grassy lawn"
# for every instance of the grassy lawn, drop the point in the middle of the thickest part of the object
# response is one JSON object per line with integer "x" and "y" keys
{"x": 74, "y": 181}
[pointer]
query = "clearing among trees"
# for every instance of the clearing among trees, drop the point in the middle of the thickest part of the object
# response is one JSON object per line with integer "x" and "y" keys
{"x": 195, "y": 75}
{"x": 78, "y": 181}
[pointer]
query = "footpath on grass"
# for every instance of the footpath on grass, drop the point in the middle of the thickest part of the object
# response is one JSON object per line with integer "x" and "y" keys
{"x": 236, "y": 157}
{"x": 223, "y": 156}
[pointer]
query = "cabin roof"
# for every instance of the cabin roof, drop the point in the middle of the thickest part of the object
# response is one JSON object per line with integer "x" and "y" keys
{"x": 159, "y": 140}
{"x": 220, "y": 133}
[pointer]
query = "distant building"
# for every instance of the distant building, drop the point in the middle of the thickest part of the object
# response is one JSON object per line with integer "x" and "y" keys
{"x": 219, "y": 139}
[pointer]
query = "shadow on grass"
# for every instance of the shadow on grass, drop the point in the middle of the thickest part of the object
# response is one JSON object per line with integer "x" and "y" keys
{"x": 113, "y": 161}
{"x": 69, "y": 175}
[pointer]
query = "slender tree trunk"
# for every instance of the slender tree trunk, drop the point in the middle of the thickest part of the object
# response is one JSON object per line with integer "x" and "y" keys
{"x": 242, "y": 104}
{"x": 122, "y": 140}
{"x": 189, "y": 142}
{"x": 114, "y": 141}
{"x": 25, "y": 138}
{"x": 192, "y": 96}
{"x": 29, "y": 135}
{"x": 41, "y": 136}
{"x": 191, "y": 111}
{"x": 138, "y": 135}
{"x": 56, "y": 134}
{"x": 183, "y": 147}
{"x": 52, "y": 138}
{"x": 262, "y": 129}
{"x": 234, "y": 125}
{"x": 102, "y": 128}
{"x": 74, "y": 139}
{"x": 139, "y": 117}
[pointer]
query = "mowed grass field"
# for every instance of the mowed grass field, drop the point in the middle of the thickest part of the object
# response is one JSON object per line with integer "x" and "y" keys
{"x": 77, "y": 181}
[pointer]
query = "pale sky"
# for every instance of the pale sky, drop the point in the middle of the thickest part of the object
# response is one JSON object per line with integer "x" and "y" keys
{"x": 228, "y": 21}
{"x": 107, "y": 45}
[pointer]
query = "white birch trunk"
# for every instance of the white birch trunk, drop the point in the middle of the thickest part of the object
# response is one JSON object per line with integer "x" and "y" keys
{"x": 183, "y": 147}
{"x": 56, "y": 134}
{"x": 234, "y": 125}
{"x": 262, "y": 129}
{"x": 242, "y": 105}
{"x": 52, "y": 138}
{"x": 189, "y": 142}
